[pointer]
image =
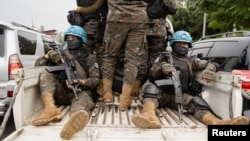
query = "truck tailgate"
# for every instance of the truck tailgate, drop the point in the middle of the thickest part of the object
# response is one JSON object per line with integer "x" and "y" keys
{"x": 108, "y": 123}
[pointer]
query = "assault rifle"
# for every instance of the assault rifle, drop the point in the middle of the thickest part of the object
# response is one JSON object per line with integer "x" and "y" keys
{"x": 67, "y": 66}
{"x": 175, "y": 81}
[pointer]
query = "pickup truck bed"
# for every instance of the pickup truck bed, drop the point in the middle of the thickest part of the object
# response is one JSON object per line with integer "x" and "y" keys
{"x": 108, "y": 123}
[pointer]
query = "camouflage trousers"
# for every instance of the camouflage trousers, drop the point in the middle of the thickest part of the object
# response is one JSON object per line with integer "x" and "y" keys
{"x": 95, "y": 37}
{"x": 156, "y": 44}
{"x": 136, "y": 52}
{"x": 63, "y": 96}
{"x": 156, "y": 39}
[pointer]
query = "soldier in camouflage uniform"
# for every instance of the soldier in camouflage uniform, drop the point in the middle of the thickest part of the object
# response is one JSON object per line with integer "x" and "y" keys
{"x": 156, "y": 43}
{"x": 127, "y": 22}
{"x": 157, "y": 40}
{"x": 157, "y": 36}
{"x": 56, "y": 91}
{"x": 164, "y": 96}
{"x": 91, "y": 14}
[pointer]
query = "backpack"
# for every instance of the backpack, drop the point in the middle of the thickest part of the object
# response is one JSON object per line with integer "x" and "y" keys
{"x": 161, "y": 8}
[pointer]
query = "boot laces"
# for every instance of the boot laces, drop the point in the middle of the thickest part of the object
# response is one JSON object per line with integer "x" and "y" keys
{"x": 125, "y": 98}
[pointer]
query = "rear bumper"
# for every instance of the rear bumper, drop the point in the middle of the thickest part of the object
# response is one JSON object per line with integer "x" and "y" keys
{"x": 4, "y": 105}
{"x": 5, "y": 87}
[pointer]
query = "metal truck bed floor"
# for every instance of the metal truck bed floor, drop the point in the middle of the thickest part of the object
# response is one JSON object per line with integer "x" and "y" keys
{"x": 108, "y": 123}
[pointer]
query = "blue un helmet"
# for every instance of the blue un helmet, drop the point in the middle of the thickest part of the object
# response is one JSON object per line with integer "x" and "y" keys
{"x": 76, "y": 31}
{"x": 181, "y": 36}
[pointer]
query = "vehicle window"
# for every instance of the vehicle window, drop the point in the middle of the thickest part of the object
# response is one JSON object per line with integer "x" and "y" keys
{"x": 47, "y": 41}
{"x": 27, "y": 42}
{"x": 2, "y": 37}
{"x": 223, "y": 49}
{"x": 201, "y": 49}
{"x": 230, "y": 64}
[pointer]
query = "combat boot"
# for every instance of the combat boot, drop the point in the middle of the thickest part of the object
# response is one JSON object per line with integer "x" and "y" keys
{"x": 107, "y": 90}
{"x": 77, "y": 121}
{"x": 50, "y": 112}
{"x": 136, "y": 88}
{"x": 210, "y": 119}
{"x": 148, "y": 118}
{"x": 125, "y": 97}
{"x": 99, "y": 88}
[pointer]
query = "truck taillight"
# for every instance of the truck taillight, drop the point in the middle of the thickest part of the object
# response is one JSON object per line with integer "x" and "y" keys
{"x": 246, "y": 85}
{"x": 10, "y": 94}
{"x": 14, "y": 63}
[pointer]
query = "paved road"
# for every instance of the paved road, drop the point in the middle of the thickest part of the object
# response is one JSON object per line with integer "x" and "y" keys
{"x": 10, "y": 127}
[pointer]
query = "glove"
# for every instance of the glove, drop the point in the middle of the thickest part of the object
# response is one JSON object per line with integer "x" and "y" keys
{"x": 208, "y": 73}
{"x": 80, "y": 81}
{"x": 166, "y": 68}
{"x": 54, "y": 56}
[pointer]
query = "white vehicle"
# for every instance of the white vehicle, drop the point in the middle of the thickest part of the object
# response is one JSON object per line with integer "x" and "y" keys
{"x": 20, "y": 46}
{"x": 108, "y": 123}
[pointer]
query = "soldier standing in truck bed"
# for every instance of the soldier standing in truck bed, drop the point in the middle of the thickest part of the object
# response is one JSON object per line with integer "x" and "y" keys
{"x": 127, "y": 22}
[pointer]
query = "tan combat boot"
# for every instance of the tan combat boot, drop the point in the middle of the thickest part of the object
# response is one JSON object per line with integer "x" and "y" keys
{"x": 125, "y": 97}
{"x": 136, "y": 88}
{"x": 210, "y": 119}
{"x": 76, "y": 123}
{"x": 148, "y": 118}
{"x": 50, "y": 112}
{"x": 99, "y": 88}
{"x": 107, "y": 90}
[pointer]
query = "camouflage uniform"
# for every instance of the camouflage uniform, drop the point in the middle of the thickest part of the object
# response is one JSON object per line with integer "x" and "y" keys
{"x": 93, "y": 19}
{"x": 127, "y": 20}
{"x": 55, "y": 83}
{"x": 156, "y": 39}
{"x": 158, "y": 95}
{"x": 156, "y": 43}
{"x": 93, "y": 22}
{"x": 164, "y": 96}
{"x": 187, "y": 67}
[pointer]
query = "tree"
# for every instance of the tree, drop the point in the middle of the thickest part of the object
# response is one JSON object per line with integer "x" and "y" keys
{"x": 224, "y": 14}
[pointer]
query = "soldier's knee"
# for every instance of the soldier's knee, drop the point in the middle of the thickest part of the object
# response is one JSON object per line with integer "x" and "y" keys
{"x": 198, "y": 103}
{"x": 150, "y": 91}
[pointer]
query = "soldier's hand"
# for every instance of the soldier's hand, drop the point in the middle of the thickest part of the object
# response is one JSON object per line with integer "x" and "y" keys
{"x": 68, "y": 85}
{"x": 54, "y": 56}
{"x": 209, "y": 73}
{"x": 80, "y": 81}
{"x": 166, "y": 68}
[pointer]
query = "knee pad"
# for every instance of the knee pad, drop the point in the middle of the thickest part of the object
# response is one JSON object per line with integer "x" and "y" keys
{"x": 150, "y": 91}
{"x": 198, "y": 103}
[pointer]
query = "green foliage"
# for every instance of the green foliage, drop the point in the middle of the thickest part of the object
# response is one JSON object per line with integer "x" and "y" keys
{"x": 222, "y": 16}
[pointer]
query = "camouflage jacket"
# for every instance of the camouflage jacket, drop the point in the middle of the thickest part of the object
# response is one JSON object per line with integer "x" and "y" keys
{"x": 128, "y": 11}
{"x": 90, "y": 73}
{"x": 187, "y": 66}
